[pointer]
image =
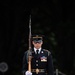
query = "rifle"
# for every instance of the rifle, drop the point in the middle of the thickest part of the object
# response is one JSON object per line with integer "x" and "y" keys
{"x": 29, "y": 51}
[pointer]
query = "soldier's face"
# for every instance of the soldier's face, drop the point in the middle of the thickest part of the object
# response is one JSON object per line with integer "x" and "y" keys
{"x": 37, "y": 44}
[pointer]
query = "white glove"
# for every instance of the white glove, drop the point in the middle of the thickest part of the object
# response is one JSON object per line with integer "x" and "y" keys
{"x": 28, "y": 73}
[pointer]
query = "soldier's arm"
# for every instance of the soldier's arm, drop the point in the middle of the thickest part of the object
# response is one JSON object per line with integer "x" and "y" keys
{"x": 50, "y": 68}
{"x": 24, "y": 66}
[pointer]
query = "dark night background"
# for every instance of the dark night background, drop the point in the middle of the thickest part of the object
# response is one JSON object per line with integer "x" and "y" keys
{"x": 55, "y": 19}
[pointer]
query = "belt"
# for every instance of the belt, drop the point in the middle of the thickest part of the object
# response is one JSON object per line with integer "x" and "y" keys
{"x": 37, "y": 70}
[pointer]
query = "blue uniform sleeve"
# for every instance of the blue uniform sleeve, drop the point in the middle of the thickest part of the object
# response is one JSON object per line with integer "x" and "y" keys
{"x": 24, "y": 66}
{"x": 50, "y": 68}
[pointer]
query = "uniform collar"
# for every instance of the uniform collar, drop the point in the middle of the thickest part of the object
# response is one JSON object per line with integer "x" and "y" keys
{"x": 37, "y": 49}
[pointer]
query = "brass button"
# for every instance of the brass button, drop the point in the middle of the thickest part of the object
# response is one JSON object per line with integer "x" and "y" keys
{"x": 36, "y": 64}
{"x": 36, "y": 60}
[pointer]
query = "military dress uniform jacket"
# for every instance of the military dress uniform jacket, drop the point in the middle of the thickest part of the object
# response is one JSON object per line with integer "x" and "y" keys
{"x": 41, "y": 64}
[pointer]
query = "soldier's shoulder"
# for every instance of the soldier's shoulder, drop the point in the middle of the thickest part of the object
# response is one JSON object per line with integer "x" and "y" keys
{"x": 47, "y": 51}
{"x": 26, "y": 52}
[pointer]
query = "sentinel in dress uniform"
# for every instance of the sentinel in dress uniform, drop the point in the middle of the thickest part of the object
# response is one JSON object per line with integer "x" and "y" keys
{"x": 41, "y": 62}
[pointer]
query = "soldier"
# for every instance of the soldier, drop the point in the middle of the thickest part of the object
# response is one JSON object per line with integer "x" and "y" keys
{"x": 41, "y": 62}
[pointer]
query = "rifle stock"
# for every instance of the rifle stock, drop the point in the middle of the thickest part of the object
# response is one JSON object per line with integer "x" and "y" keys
{"x": 29, "y": 64}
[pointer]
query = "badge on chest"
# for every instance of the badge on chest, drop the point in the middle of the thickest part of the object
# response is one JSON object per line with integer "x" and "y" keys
{"x": 43, "y": 59}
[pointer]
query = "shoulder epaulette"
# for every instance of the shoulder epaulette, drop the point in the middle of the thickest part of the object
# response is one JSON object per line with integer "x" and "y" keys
{"x": 47, "y": 51}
